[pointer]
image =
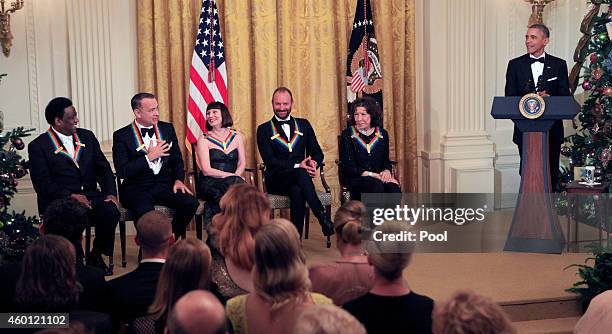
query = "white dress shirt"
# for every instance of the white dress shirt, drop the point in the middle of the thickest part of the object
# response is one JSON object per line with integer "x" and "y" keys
{"x": 537, "y": 69}
{"x": 156, "y": 164}
{"x": 67, "y": 142}
{"x": 286, "y": 128}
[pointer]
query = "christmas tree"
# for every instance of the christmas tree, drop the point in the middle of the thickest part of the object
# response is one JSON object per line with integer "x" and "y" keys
{"x": 592, "y": 143}
{"x": 16, "y": 230}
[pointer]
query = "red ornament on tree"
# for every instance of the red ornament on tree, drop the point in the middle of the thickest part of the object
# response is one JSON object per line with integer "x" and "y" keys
{"x": 18, "y": 143}
{"x": 586, "y": 85}
{"x": 593, "y": 57}
{"x": 597, "y": 73}
{"x": 607, "y": 91}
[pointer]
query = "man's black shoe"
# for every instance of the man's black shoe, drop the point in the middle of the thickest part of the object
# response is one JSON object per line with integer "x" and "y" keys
{"x": 95, "y": 260}
{"x": 327, "y": 227}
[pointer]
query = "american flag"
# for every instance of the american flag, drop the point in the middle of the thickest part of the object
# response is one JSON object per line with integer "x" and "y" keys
{"x": 207, "y": 75}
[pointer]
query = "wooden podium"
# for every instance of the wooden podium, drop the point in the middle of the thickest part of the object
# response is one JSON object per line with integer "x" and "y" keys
{"x": 535, "y": 225}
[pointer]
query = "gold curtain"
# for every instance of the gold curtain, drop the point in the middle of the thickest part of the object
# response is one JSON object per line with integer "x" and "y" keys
{"x": 299, "y": 44}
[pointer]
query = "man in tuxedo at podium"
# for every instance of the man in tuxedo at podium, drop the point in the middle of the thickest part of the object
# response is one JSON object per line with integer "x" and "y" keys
{"x": 291, "y": 153}
{"x": 147, "y": 158}
{"x": 542, "y": 73}
{"x": 67, "y": 162}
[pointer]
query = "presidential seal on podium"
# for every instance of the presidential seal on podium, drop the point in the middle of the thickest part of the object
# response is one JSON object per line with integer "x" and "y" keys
{"x": 532, "y": 106}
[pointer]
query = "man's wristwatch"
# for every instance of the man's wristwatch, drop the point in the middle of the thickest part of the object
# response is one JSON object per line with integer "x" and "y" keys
{"x": 370, "y": 174}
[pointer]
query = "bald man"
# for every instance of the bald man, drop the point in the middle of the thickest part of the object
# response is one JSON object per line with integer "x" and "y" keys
{"x": 197, "y": 312}
{"x": 133, "y": 292}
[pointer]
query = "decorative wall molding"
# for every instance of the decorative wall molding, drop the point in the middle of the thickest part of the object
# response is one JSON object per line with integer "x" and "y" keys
{"x": 32, "y": 66}
{"x": 90, "y": 64}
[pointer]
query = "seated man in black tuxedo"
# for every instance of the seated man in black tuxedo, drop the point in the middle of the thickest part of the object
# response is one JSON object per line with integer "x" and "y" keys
{"x": 133, "y": 292}
{"x": 147, "y": 157}
{"x": 67, "y": 161}
{"x": 291, "y": 153}
{"x": 66, "y": 218}
{"x": 545, "y": 74}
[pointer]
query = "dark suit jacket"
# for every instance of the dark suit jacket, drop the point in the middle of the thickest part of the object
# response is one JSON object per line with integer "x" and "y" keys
{"x": 132, "y": 166}
{"x": 554, "y": 80}
{"x": 355, "y": 160}
{"x": 56, "y": 176}
{"x": 133, "y": 292}
{"x": 276, "y": 156}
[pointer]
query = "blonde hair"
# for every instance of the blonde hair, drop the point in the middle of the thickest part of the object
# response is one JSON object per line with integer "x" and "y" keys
{"x": 469, "y": 313}
{"x": 348, "y": 220}
{"x": 187, "y": 268}
{"x": 244, "y": 210}
{"x": 389, "y": 258}
{"x": 327, "y": 319}
{"x": 280, "y": 274}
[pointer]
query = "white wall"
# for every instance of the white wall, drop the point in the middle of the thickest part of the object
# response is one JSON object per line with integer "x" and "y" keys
{"x": 82, "y": 49}
{"x": 462, "y": 53}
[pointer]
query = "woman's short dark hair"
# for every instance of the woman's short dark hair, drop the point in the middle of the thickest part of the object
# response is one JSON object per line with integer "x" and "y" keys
{"x": 371, "y": 107}
{"x": 48, "y": 280}
{"x": 226, "y": 118}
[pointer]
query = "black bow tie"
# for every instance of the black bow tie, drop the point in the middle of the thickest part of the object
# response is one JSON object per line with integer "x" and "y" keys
{"x": 535, "y": 60}
{"x": 150, "y": 131}
{"x": 281, "y": 123}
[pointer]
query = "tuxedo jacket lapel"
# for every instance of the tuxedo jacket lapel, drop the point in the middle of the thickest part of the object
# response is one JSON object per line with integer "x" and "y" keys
{"x": 280, "y": 130}
{"x": 527, "y": 70}
{"x": 56, "y": 148}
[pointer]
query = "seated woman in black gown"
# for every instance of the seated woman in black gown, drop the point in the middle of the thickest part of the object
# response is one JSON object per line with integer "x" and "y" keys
{"x": 364, "y": 152}
{"x": 221, "y": 158}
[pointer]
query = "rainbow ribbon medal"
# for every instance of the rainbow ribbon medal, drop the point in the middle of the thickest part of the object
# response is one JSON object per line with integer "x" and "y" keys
{"x": 58, "y": 148}
{"x": 140, "y": 145}
{"x": 294, "y": 139}
{"x": 367, "y": 146}
{"x": 222, "y": 143}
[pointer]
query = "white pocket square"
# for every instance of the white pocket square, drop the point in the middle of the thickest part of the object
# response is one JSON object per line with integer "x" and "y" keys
{"x": 551, "y": 79}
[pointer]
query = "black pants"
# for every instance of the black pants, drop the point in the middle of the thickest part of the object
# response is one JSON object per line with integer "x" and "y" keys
{"x": 141, "y": 200}
{"x": 370, "y": 185}
{"x": 104, "y": 216}
{"x": 297, "y": 184}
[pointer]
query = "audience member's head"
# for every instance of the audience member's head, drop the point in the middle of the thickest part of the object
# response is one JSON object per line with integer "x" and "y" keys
{"x": 154, "y": 234}
{"x": 187, "y": 268}
{"x": 244, "y": 210}
{"x": 280, "y": 274}
{"x": 48, "y": 280}
{"x": 467, "y": 312}
{"x": 347, "y": 223}
{"x": 65, "y": 217}
{"x": 327, "y": 319}
{"x": 197, "y": 312}
{"x": 390, "y": 258}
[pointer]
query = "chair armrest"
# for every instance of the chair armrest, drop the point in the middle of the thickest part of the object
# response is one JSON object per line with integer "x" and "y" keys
{"x": 261, "y": 167}
{"x": 252, "y": 175}
{"x": 394, "y": 169}
{"x": 323, "y": 181}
